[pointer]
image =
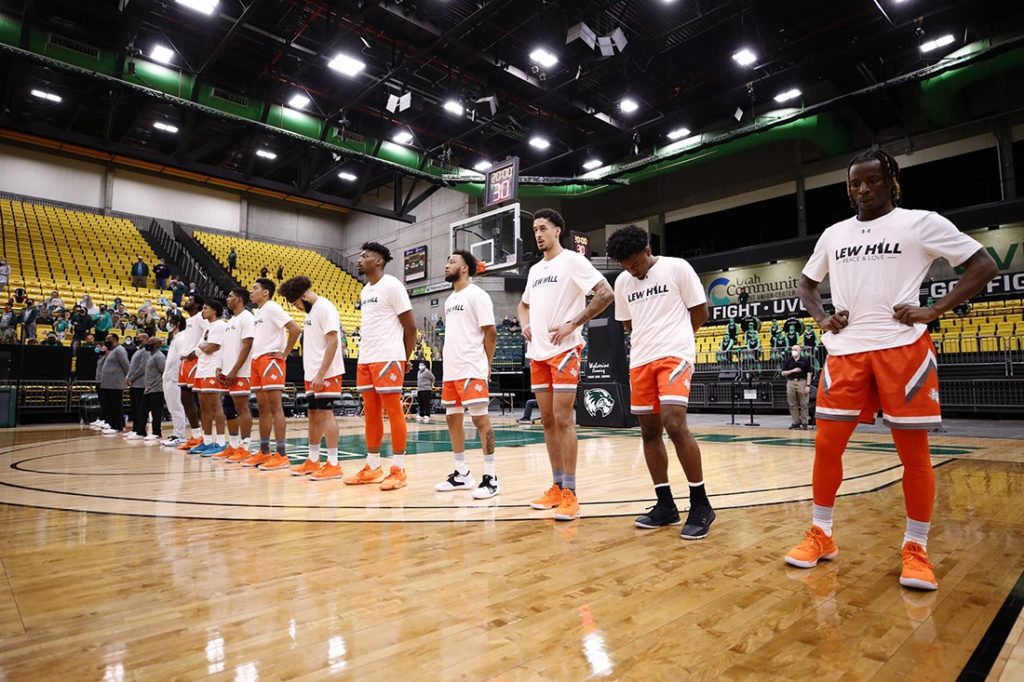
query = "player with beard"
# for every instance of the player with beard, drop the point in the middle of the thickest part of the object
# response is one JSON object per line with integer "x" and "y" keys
{"x": 195, "y": 327}
{"x": 207, "y": 385}
{"x": 235, "y": 375}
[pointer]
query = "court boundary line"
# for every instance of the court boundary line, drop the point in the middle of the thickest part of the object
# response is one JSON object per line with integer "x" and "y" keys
{"x": 984, "y": 656}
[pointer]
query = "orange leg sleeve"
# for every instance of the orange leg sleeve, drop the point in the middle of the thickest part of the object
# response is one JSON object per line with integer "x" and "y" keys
{"x": 918, "y": 475}
{"x": 399, "y": 429}
{"x": 373, "y": 419}
{"x": 829, "y": 446}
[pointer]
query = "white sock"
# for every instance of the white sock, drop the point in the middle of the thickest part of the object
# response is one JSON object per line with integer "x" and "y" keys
{"x": 332, "y": 456}
{"x": 233, "y": 440}
{"x": 245, "y": 444}
{"x": 489, "y": 466}
{"x": 822, "y": 518}
{"x": 197, "y": 433}
{"x": 693, "y": 485}
{"x": 373, "y": 460}
{"x": 917, "y": 531}
{"x": 221, "y": 439}
{"x": 207, "y": 439}
{"x": 314, "y": 453}
{"x": 398, "y": 460}
{"x": 461, "y": 465}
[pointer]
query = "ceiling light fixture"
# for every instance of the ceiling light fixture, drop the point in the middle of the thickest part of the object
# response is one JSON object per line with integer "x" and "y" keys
{"x": 203, "y": 6}
{"x": 592, "y": 164}
{"x": 481, "y": 166}
{"x": 266, "y": 154}
{"x": 402, "y": 137}
{"x": 539, "y": 142}
{"x": 348, "y": 177}
{"x": 166, "y": 127}
{"x": 298, "y": 101}
{"x": 350, "y": 66}
{"x": 787, "y": 95}
{"x": 937, "y": 43}
{"x": 541, "y": 56}
{"x": 679, "y": 133}
{"x": 628, "y": 105}
{"x": 162, "y": 54}
{"x": 453, "y": 107}
{"x": 744, "y": 57}
{"x": 42, "y": 94}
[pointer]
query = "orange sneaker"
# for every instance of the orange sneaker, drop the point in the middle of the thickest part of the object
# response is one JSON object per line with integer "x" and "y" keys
{"x": 308, "y": 466}
{"x": 366, "y": 475}
{"x": 239, "y": 455}
{"x": 326, "y": 472}
{"x": 917, "y": 570}
{"x": 275, "y": 462}
{"x": 568, "y": 508}
{"x": 552, "y": 498}
{"x": 191, "y": 443}
{"x": 255, "y": 459}
{"x": 395, "y": 480}
{"x": 228, "y": 451}
{"x": 816, "y": 547}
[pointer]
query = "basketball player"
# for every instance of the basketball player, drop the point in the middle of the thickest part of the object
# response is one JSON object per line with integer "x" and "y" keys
{"x": 661, "y": 301}
{"x": 195, "y": 327}
{"x": 388, "y": 335}
{"x": 880, "y": 354}
{"x": 470, "y": 338}
{"x": 324, "y": 369}
{"x": 207, "y": 385}
{"x": 551, "y": 312}
{"x": 235, "y": 373}
{"x": 269, "y": 350}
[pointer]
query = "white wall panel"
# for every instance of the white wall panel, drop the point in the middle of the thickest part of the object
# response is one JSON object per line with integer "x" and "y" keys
{"x": 52, "y": 177}
{"x": 170, "y": 200}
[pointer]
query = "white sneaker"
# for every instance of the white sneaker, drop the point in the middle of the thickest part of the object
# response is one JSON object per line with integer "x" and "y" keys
{"x": 96, "y": 422}
{"x": 133, "y": 436}
{"x": 100, "y": 426}
{"x": 151, "y": 437}
{"x": 110, "y": 432}
{"x": 488, "y": 488}
{"x": 172, "y": 442}
{"x": 456, "y": 481}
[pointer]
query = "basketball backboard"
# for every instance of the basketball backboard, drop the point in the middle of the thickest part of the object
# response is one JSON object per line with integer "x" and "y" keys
{"x": 494, "y": 237}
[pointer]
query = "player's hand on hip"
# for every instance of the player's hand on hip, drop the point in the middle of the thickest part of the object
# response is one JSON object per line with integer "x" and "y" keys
{"x": 317, "y": 384}
{"x": 527, "y": 334}
{"x": 912, "y": 314}
{"x": 835, "y": 323}
{"x": 562, "y": 333}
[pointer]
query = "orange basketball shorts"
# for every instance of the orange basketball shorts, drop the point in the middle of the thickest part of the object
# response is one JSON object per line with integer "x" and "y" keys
{"x": 560, "y": 373}
{"x": 187, "y": 372}
{"x": 267, "y": 373}
{"x": 465, "y": 393}
{"x": 665, "y": 381}
{"x": 331, "y": 388}
{"x": 382, "y": 377}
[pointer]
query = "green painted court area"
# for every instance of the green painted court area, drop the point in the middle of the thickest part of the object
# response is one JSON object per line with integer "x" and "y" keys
{"x": 436, "y": 440}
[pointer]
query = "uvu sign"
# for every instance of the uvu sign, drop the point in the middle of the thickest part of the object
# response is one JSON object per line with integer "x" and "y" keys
{"x": 777, "y": 307}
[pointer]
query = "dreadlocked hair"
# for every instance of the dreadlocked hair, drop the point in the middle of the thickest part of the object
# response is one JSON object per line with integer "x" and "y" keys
{"x": 890, "y": 173}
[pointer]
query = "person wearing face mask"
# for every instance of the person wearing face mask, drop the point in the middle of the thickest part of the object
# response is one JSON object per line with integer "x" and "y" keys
{"x": 111, "y": 371}
{"x": 796, "y": 369}
{"x": 154, "y": 386}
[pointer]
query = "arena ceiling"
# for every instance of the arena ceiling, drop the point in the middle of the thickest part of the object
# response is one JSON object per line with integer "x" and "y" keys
{"x": 308, "y": 100}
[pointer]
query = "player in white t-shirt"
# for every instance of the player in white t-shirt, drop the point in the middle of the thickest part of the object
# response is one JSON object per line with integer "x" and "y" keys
{"x": 274, "y": 336}
{"x": 388, "y": 335}
{"x": 470, "y": 338}
{"x": 661, "y": 301}
{"x": 324, "y": 369}
{"x": 551, "y": 313}
{"x": 235, "y": 375}
{"x": 880, "y": 354}
{"x": 195, "y": 327}
{"x": 207, "y": 385}
{"x": 172, "y": 391}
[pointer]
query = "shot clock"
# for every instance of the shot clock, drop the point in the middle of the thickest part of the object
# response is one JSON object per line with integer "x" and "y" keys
{"x": 501, "y": 182}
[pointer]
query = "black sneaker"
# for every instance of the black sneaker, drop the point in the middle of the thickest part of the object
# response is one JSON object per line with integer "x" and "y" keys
{"x": 657, "y": 516}
{"x": 794, "y": 427}
{"x": 698, "y": 522}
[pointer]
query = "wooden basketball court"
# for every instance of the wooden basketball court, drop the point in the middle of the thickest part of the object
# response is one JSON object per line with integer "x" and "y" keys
{"x": 126, "y": 561}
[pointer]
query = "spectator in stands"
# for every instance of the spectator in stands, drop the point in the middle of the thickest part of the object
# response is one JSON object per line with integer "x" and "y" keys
{"x": 133, "y": 323}
{"x": 744, "y": 296}
{"x": 424, "y": 391}
{"x": 54, "y": 303}
{"x": 140, "y": 273}
{"x": 5, "y": 273}
{"x": 111, "y": 371}
{"x": 9, "y": 325}
{"x": 506, "y": 323}
{"x": 178, "y": 290}
{"x": 146, "y": 311}
{"x": 527, "y": 418}
{"x": 732, "y": 330}
{"x": 232, "y": 261}
{"x": 264, "y": 271}
{"x": 44, "y": 319}
{"x": 81, "y": 323}
{"x": 796, "y": 369}
{"x": 280, "y": 272}
{"x": 88, "y": 306}
{"x": 726, "y": 349}
{"x": 962, "y": 309}
{"x": 810, "y": 341}
{"x": 51, "y": 340}
{"x": 32, "y": 342}
{"x": 89, "y": 341}
{"x": 62, "y": 325}
{"x": 161, "y": 271}
{"x": 20, "y": 295}
{"x": 102, "y": 323}
{"x": 193, "y": 290}
{"x": 135, "y": 380}
{"x": 29, "y": 319}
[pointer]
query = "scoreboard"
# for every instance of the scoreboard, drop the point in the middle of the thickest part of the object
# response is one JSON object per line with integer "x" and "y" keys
{"x": 501, "y": 182}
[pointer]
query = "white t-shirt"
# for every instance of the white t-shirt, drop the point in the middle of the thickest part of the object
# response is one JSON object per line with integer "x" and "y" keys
{"x": 209, "y": 363}
{"x": 321, "y": 320}
{"x": 876, "y": 265}
{"x": 465, "y": 312}
{"x": 195, "y": 326}
{"x": 556, "y": 291}
{"x": 269, "y": 320}
{"x": 173, "y": 362}
{"x": 240, "y": 327}
{"x": 381, "y": 337}
{"x": 658, "y": 306}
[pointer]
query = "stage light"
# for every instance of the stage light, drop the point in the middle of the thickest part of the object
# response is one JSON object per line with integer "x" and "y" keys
{"x": 203, "y": 6}
{"x": 628, "y": 105}
{"x": 541, "y": 56}
{"x": 162, "y": 54}
{"x": 591, "y": 164}
{"x": 42, "y": 94}
{"x": 787, "y": 95}
{"x": 481, "y": 166}
{"x": 348, "y": 177}
{"x": 166, "y": 127}
{"x": 744, "y": 57}
{"x": 937, "y": 43}
{"x": 350, "y": 66}
{"x": 266, "y": 154}
{"x": 678, "y": 133}
{"x": 298, "y": 101}
{"x": 453, "y": 107}
{"x": 402, "y": 137}
{"x": 539, "y": 142}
